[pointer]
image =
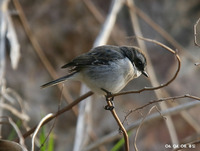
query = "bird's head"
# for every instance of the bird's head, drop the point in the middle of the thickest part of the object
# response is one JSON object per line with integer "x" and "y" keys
{"x": 136, "y": 56}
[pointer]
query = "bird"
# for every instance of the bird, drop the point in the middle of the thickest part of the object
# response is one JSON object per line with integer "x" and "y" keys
{"x": 105, "y": 69}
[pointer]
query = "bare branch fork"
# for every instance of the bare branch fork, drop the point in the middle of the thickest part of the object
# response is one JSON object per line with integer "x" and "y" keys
{"x": 161, "y": 100}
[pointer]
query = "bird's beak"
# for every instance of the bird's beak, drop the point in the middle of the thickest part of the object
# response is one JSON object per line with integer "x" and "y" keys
{"x": 145, "y": 73}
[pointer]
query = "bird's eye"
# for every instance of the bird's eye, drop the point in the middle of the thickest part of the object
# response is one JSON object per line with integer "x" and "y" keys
{"x": 139, "y": 62}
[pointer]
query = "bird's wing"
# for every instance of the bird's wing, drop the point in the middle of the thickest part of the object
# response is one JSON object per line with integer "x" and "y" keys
{"x": 98, "y": 56}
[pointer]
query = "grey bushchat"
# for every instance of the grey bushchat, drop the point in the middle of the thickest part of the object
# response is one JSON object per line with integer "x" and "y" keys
{"x": 105, "y": 68}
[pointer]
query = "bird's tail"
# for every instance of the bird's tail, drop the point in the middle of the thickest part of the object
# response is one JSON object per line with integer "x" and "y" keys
{"x": 57, "y": 81}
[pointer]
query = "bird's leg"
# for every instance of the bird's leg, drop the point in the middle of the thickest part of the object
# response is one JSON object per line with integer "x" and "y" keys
{"x": 109, "y": 98}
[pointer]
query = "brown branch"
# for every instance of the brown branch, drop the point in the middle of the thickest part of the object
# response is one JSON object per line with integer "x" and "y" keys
{"x": 162, "y": 85}
{"x": 67, "y": 108}
{"x": 161, "y": 100}
{"x": 120, "y": 126}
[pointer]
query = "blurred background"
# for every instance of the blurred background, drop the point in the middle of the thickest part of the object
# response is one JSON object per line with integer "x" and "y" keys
{"x": 65, "y": 29}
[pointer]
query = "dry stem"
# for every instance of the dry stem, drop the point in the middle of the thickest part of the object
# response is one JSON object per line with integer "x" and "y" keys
{"x": 120, "y": 126}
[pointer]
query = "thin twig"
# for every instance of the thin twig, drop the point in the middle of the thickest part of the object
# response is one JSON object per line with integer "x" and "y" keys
{"x": 11, "y": 122}
{"x": 52, "y": 126}
{"x": 11, "y": 95}
{"x": 162, "y": 85}
{"x": 137, "y": 131}
{"x": 14, "y": 111}
{"x": 17, "y": 131}
{"x": 161, "y": 100}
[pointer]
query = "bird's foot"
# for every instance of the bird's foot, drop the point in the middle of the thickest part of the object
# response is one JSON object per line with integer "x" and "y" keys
{"x": 109, "y": 98}
{"x": 108, "y": 107}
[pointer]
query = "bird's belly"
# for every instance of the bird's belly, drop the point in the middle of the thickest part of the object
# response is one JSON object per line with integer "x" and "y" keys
{"x": 112, "y": 77}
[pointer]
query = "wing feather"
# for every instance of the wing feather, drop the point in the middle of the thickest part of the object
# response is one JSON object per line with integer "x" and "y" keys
{"x": 101, "y": 55}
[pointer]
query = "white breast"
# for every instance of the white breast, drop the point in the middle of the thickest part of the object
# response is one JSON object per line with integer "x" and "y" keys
{"x": 112, "y": 77}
